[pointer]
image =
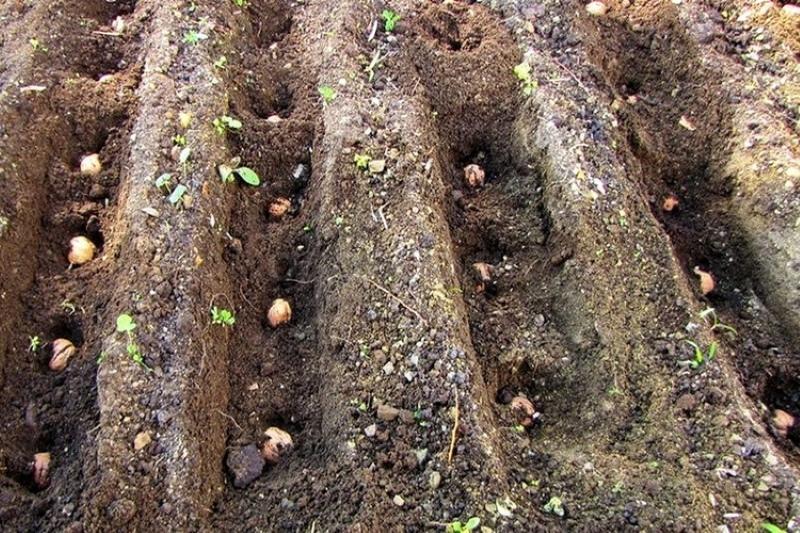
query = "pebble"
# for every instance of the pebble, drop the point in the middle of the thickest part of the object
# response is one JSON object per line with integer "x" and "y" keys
{"x": 141, "y": 440}
{"x": 388, "y": 368}
{"x": 398, "y": 501}
{"x": 387, "y": 413}
{"x": 435, "y": 480}
{"x": 371, "y": 430}
{"x": 245, "y": 464}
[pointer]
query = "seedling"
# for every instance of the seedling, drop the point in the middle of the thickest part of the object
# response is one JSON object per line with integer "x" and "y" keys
{"x": 68, "y": 306}
{"x": 221, "y": 62}
{"x": 164, "y": 182}
{"x": 222, "y": 317}
{"x": 523, "y": 74}
{"x": 240, "y": 3}
{"x": 362, "y": 161}
{"x": 228, "y": 172}
{"x": 328, "y": 94}
{"x": 772, "y": 528}
{"x": 34, "y": 343}
{"x": 702, "y": 357}
{"x": 709, "y": 315}
{"x": 179, "y": 140}
{"x": 126, "y": 325}
{"x": 376, "y": 61}
{"x": 390, "y": 19}
{"x": 183, "y": 157}
{"x": 177, "y": 194}
{"x": 226, "y": 123}
{"x": 554, "y": 506}
{"x": 458, "y": 527}
{"x": 37, "y": 45}
{"x": 194, "y": 37}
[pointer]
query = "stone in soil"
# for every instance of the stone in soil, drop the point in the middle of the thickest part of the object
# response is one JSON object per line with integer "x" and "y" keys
{"x": 245, "y": 464}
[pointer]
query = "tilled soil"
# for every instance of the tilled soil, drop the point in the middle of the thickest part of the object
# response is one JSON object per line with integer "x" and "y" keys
{"x": 425, "y": 309}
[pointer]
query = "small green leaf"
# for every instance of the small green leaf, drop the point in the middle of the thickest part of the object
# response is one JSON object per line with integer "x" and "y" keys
{"x": 177, "y": 194}
{"x": 125, "y": 323}
{"x": 248, "y": 176}
{"x": 772, "y": 528}
{"x": 472, "y": 523}
{"x": 225, "y": 173}
{"x": 163, "y": 180}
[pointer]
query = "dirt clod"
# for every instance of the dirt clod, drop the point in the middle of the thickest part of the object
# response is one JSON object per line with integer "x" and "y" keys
{"x": 783, "y": 422}
{"x": 523, "y": 410}
{"x": 670, "y": 203}
{"x": 387, "y": 413}
{"x": 244, "y": 464}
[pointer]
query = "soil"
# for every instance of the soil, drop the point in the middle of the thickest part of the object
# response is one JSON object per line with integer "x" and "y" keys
{"x": 425, "y": 308}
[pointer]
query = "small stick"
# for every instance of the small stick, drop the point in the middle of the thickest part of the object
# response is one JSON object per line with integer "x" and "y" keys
{"x": 229, "y": 417}
{"x": 574, "y": 77}
{"x": 454, "y": 434}
{"x": 108, "y": 33}
{"x": 401, "y": 302}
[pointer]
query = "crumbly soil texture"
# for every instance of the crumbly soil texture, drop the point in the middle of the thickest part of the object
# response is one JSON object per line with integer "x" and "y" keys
{"x": 526, "y": 265}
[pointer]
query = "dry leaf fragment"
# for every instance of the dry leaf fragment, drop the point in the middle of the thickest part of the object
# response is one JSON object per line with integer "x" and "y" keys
{"x": 706, "y": 281}
{"x": 686, "y": 123}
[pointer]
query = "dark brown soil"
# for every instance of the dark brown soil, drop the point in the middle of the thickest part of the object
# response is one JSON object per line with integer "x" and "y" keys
{"x": 399, "y": 369}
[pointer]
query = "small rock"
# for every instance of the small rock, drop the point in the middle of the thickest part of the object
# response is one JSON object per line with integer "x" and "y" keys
{"x": 398, "y": 501}
{"x": 371, "y": 430}
{"x": 434, "y": 480}
{"x": 539, "y": 320}
{"x": 387, "y": 413}
{"x": 376, "y": 166}
{"x": 141, "y": 440}
{"x": 388, "y": 368}
{"x": 245, "y": 465}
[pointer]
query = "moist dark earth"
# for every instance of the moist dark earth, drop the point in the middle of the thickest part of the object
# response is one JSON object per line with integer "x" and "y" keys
{"x": 542, "y": 260}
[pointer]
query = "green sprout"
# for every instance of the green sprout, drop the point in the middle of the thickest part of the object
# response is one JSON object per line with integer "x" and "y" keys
{"x": 772, "y": 528}
{"x": 222, "y": 317}
{"x": 523, "y": 74}
{"x": 390, "y": 19}
{"x": 126, "y": 324}
{"x": 240, "y": 3}
{"x": 177, "y": 194}
{"x": 228, "y": 172}
{"x": 225, "y": 123}
{"x": 34, "y": 343}
{"x": 709, "y": 315}
{"x": 221, "y": 62}
{"x": 179, "y": 140}
{"x": 702, "y": 357}
{"x": 194, "y": 37}
{"x": 362, "y": 161}
{"x": 328, "y": 94}
{"x": 68, "y": 306}
{"x": 554, "y": 506}
{"x": 37, "y": 45}
{"x": 458, "y": 527}
{"x": 164, "y": 182}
